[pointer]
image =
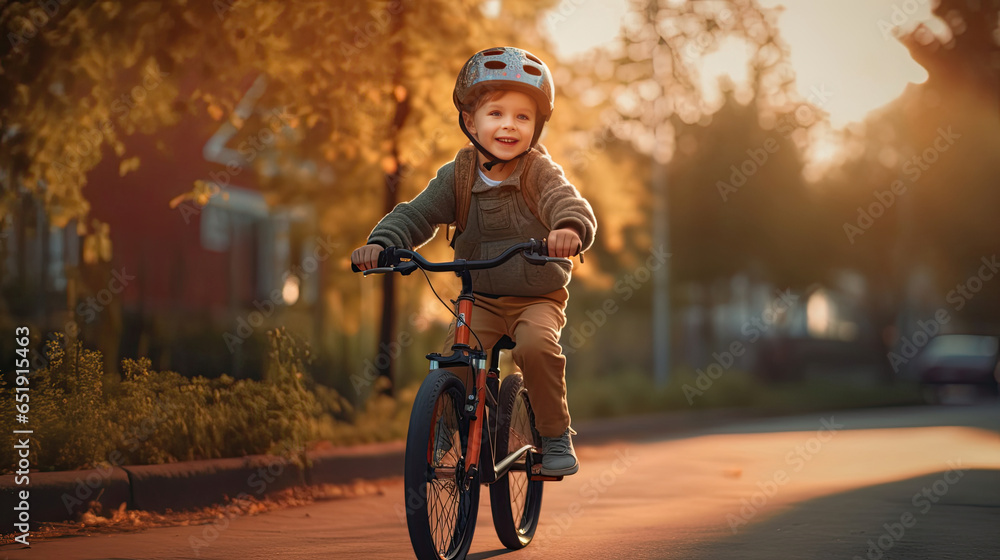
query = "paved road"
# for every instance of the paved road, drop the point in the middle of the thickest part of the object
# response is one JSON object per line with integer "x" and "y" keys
{"x": 909, "y": 483}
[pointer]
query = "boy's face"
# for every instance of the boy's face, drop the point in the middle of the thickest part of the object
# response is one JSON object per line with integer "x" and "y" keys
{"x": 504, "y": 125}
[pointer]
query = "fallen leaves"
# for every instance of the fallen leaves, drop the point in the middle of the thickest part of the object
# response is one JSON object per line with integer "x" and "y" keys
{"x": 122, "y": 520}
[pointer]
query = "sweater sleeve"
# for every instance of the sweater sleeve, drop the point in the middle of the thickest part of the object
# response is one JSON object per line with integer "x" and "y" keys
{"x": 560, "y": 203}
{"x": 411, "y": 224}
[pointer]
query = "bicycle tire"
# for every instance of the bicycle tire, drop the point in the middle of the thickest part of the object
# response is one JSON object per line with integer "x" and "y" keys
{"x": 441, "y": 512}
{"x": 515, "y": 499}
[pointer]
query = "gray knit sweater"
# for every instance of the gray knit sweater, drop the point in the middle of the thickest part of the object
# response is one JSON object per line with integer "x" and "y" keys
{"x": 498, "y": 218}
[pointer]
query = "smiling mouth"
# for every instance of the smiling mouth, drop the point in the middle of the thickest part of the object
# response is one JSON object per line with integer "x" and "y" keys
{"x": 507, "y": 140}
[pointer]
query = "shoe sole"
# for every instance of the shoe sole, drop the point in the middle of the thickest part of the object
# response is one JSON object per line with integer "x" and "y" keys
{"x": 561, "y": 472}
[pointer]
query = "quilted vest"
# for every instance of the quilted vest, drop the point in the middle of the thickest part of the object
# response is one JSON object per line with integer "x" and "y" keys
{"x": 492, "y": 220}
{"x": 465, "y": 176}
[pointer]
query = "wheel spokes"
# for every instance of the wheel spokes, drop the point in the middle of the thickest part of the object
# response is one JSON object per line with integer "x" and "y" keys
{"x": 444, "y": 495}
{"x": 520, "y": 435}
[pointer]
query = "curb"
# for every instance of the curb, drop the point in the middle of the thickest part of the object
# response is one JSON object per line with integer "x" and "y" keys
{"x": 59, "y": 496}
{"x": 63, "y": 496}
{"x": 370, "y": 461}
{"x": 195, "y": 484}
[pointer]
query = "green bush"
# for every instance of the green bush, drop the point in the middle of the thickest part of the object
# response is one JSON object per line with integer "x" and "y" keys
{"x": 68, "y": 414}
{"x": 157, "y": 417}
{"x": 382, "y": 418}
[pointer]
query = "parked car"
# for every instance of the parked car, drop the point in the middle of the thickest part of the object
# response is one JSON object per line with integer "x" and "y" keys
{"x": 963, "y": 363}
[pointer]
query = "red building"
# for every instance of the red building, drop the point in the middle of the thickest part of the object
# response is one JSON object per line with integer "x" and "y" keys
{"x": 192, "y": 287}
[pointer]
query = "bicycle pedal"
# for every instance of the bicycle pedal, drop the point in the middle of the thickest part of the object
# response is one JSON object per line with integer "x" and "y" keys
{"x": 544, "y": 478}
{"x": 537, "y": 476}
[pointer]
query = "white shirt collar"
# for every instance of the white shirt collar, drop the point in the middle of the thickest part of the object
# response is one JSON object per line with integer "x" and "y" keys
{"x": 487, "y": 180}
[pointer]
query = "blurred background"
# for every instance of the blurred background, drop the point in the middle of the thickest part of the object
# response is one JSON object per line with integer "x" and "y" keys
{"x": 796, "y": 199}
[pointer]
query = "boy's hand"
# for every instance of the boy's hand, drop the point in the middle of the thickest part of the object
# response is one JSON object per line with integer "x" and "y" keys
{"x": 366, "y": 257}
{"x": 564, "y": 242}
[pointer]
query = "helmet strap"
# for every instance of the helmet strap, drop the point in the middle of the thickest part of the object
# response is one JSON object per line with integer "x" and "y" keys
{"x": 494, "y": 161}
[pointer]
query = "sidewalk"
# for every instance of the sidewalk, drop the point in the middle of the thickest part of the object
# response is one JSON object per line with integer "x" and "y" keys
{"x": 62, "y": 496}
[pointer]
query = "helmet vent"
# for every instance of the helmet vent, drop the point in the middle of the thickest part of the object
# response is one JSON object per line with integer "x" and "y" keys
{"x": 531, "y": 70}
{"x": 495, "y": 64}
{"x": 533, "y": 59}
{"x": 495, "y": 52}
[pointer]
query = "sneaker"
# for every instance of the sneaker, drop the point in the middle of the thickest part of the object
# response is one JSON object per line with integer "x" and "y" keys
{"x": 558, "y": 456}
{"x": 443, "y": 441}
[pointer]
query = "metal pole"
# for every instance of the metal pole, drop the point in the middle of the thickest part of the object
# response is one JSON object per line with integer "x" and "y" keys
{"x": 661, "y": 230}
{"x": 661, "y": 278}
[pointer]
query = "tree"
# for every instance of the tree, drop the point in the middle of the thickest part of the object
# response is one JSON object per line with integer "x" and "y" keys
{"x": 936, "y": 145}
{"x": 364, "y": 89}
{"x": 738, "y": 197}
{"x": 949, "y": 131}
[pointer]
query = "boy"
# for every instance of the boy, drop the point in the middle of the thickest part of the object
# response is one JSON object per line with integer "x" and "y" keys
{"x": 511, "y": 191}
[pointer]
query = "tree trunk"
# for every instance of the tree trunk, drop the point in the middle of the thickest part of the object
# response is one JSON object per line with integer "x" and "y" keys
{"x": 387, "y": 330}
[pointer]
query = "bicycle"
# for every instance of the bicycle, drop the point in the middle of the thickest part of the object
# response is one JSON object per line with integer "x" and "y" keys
{"x": 446, "y": 462}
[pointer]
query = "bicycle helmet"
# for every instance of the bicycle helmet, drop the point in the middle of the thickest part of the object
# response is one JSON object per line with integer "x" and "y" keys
{"x": 503, "y": 68}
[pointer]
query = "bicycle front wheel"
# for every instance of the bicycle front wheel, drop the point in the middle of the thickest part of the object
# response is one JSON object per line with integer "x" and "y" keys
{"x": 514, "y": 499}
{"x": 441, "y": 502}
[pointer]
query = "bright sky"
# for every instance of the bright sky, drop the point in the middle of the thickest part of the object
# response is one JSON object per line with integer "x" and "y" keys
{"x": 842, "y": 47}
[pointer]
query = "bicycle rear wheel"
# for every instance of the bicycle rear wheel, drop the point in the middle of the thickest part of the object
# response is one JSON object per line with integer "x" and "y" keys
{"x": 441, "y": 502}
{"x": 515, "y": 500}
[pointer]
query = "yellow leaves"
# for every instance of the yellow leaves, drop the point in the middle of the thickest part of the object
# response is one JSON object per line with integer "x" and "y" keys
{"x": 202, "y": 192}
{"x": 215, "y": 111}
{"x": 346, "y": 102}
{"x": 177, "y": 200}
{"x": 327, "y": 64}
{"x": 236, "y": 120}
{"x": 97, "y": 245}
{"x": 266, "y": 13}
{"x": 374, "y": 95}
{"x": 280, "y": 44}
{"x": 399, "y": 92}
{"x": 295, "y": 120}
{"x": 60, "y": 219}
{"x": 130, "y": 164}
{"x": 369, "y": 153}
{"x": 389, "y": 165}
{"x": 350, "y": 151}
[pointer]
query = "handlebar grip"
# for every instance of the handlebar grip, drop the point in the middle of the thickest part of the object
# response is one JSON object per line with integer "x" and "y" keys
{"x": 385, "y": 258}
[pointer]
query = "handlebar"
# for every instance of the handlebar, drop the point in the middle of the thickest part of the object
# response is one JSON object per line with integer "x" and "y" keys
{"x": 404, "y": 261}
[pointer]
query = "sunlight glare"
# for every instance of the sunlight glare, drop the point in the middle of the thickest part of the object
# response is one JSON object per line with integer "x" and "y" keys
{"x": 824, "y": 151}
{"x": 726, "y": 65}
{"x": 845, "y": 47}
{"x": 491, "y": 8}
{"x": 577, "y": 27}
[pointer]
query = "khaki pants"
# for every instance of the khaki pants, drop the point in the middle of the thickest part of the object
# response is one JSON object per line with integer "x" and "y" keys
{"x": 534, "y": 323}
